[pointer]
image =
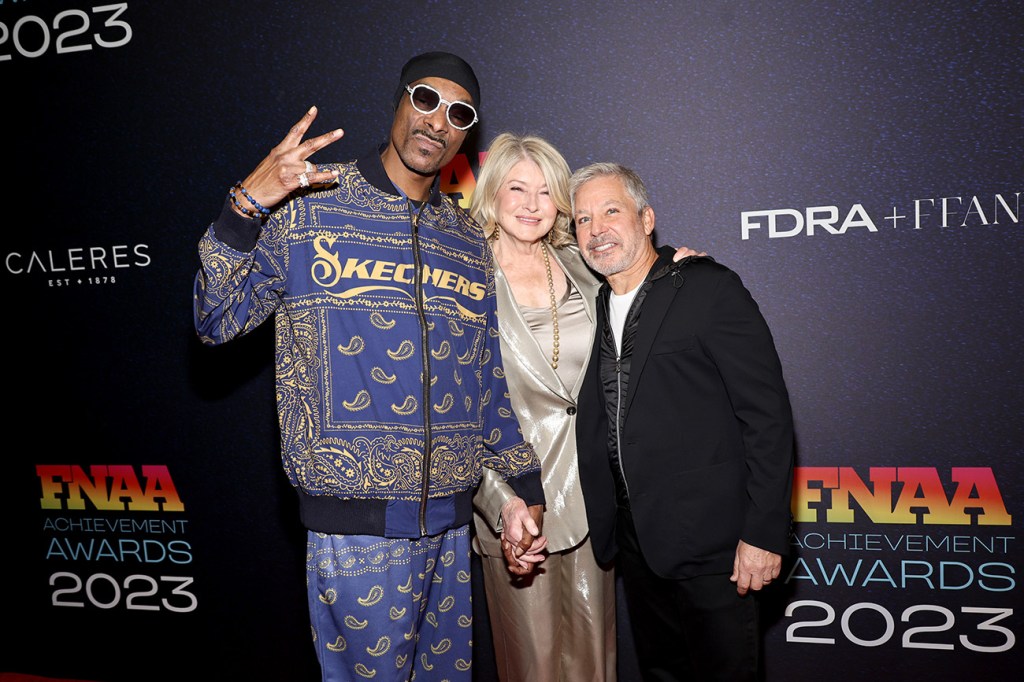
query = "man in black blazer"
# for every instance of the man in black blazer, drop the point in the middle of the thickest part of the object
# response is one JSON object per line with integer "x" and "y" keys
{"x": 685, "y": 439}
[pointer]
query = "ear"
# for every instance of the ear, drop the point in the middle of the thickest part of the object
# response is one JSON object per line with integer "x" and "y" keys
{"x": 648, "y": 217}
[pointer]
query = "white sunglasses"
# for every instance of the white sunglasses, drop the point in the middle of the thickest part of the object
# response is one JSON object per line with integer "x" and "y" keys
{"x": 426, "y": 100}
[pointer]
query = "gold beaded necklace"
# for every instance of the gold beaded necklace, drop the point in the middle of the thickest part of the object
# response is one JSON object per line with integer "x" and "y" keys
{"x": 554, "y": 308}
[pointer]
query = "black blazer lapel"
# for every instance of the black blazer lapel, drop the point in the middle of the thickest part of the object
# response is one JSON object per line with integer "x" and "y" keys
{"x": 652, "y": 315}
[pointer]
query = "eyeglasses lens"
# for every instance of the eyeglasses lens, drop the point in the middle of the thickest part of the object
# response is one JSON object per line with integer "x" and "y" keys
{"x": 460, "y": 114}
{"x": 427, "y": 100}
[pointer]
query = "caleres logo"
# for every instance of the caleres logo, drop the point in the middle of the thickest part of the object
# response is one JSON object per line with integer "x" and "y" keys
{"x": 78, "y": 266}
{"x": 944, "y": 212}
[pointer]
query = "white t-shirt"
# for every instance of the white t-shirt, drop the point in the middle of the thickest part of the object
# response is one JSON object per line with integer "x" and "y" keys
{"x": 618, "y": 308}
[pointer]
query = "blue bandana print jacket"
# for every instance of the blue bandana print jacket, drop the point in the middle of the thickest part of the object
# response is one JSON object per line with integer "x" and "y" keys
{"x": 390, "y": 391}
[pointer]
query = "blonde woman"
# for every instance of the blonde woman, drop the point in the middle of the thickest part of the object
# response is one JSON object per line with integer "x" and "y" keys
{"x": 556, "y": 622}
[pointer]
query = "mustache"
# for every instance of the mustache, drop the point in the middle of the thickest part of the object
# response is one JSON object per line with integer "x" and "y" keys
{"x": 431, "y": 136}
{"x": 595, "y": 242}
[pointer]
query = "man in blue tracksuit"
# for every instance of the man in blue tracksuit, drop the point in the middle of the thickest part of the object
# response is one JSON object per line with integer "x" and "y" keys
{"x": 390, "y": 392}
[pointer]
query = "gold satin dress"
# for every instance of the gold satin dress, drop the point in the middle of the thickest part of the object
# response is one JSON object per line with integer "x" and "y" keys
{"x": 558, "y": 623}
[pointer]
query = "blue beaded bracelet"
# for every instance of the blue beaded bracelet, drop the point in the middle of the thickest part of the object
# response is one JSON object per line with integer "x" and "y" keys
{"x": 252, "y": 201}
{"x": 243, "y": 209}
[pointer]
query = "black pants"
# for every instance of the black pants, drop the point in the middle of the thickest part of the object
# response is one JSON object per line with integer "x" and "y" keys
{"x": 690, "y": 629}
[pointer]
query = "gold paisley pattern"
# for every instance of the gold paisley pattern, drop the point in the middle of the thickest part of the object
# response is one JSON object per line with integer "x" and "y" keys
{"x": 378, "y": 321}
{"x": 404, "y": 351}
{"x": 382, "y": 377}
{"x": 361, "y": 402}
{"x": 329, "y": 597}
{"x": 374, "y": 596}
{"x": 455, "y": 328}
{"x": 383, "y": 646}
{"x": 354, "y": 347}
{"x": 467, "y": 357}
{"x": 364, "y": 466}
{"x": 407, "y": 407}
{"x": 495, "y": 437}
{"x": 443, "y": 351}
{"x": 363, "y": 671}
{"x": 446, "y": 404}
{"x": 378, "y": 627}
{"x": 355, "y": 623}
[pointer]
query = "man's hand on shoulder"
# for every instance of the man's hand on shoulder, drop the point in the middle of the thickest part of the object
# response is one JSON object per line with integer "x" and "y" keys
{"x": 685, "y": 252}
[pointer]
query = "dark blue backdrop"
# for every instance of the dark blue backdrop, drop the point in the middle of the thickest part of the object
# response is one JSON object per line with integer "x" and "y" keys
{"x": 900, "y": 335}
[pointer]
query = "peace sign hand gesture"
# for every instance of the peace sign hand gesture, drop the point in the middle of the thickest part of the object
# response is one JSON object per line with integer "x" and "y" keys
{"x": 286, "y": 168}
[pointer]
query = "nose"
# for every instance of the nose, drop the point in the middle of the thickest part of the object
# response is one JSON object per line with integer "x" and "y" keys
{"x": 597, "y": 225}
{"x": 530, "y": 201}
{"x": 438, "y": 120}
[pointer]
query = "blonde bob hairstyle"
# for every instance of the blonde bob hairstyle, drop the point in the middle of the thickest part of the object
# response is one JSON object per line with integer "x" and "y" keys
{"x": 506, "y": 150}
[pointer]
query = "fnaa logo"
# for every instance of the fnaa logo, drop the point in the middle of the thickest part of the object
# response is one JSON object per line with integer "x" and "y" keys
{"x": 108, "y": 487}
{"x": 908, "y": 495}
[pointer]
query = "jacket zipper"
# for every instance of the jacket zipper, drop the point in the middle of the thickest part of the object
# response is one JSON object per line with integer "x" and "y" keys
{"x": 425, "y": 355}
{"x": 618, "y": 416}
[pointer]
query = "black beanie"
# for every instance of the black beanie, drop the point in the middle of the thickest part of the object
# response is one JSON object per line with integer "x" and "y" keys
{"x": 439, "y": 65}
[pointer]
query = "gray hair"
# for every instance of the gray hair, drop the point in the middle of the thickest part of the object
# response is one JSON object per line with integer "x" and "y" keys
{"x": 629, "y": 178}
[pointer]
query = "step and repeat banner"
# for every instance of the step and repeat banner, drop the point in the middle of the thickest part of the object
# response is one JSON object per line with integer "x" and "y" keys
{"x": 859, "y": 164}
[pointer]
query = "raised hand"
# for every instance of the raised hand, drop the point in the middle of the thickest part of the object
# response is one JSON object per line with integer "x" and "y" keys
{"x": 286, "y": 168}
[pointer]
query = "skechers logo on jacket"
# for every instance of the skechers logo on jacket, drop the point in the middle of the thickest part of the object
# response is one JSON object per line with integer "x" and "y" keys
{"x": 329, "y": 269}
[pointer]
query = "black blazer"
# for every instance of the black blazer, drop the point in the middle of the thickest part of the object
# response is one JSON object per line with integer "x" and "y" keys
{"x": 707, "y": 444}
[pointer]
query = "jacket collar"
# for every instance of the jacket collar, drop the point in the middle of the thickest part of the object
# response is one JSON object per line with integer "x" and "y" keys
{"x": 371, "y": 167}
